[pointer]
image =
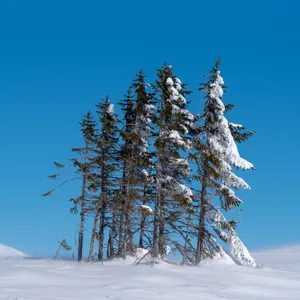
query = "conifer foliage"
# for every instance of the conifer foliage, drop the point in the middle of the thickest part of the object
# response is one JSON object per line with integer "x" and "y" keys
{"x": 217, "y": 153}
{"x": 173, "y": 121}
{"x": 163, "y": 178}
{"x": 106, "y": 167}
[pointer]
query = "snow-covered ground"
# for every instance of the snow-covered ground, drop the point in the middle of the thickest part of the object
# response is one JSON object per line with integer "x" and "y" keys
{"x": 30, "y": 279}
{"x": 285, "y": 258}
{"x": 8, "y": 252}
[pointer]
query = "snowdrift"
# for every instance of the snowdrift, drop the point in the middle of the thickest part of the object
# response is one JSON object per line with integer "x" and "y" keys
{"x": 119, "y": 280}
{"x": 285, "y": 258}
{"x": 8, "y": 252}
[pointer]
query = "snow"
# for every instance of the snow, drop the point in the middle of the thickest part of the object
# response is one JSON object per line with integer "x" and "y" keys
{"x": 111, "y": 109}
{"x": 141, "y": 252}
{"x": 178, "y": 188}
{"x": 283, "y": 258}
{"x": 185, "y": 112}
{"x": 119, "y": 280}
{"x": 236, "y": 125}
{"x": 7, "y": 252}
{"x": 227, "y": 146}
{"x": 185, "y": 130}
{"x": 230, "y": 193}
{"x": 150, "y": 108}
{"x": 239, "y": 251}
{"x": 223, "y": 142}
{"x": 186, "y": 192}
{"x": 147, "y": 208}
{"x": 169, "y": 81}
{"x": 178, "y": 86}
{"x": 145, "y": 173}
{"x": 176, "y": 138}
{"x": 177, "y": 80}
{"x": 229, "y": 178}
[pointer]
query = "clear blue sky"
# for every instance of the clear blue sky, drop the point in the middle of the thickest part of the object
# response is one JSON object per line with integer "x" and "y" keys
{"x": 58, "y": 58}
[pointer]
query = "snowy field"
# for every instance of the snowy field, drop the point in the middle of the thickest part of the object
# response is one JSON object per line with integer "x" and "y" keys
{"x": 30, "y": 279}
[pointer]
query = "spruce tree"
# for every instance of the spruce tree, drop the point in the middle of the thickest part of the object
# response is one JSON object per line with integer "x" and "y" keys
{"x": 85, "y": 165}
{"x": 137, "y": 163}
{"x": 173, "y": 123}
{"x": 135, "y": 180}
{"x": 128, "y": 162}
{"x": 144, "y": 165}
{"x": 106, "y": 167}
{"x": 83, "y": 171}
{"x": 216, "y": 156}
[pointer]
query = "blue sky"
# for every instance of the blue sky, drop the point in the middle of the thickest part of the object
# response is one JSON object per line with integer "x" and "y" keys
{"x": 58, "y": 58}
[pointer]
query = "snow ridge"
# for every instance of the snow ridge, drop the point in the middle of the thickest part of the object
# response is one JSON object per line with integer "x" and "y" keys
{"x": 8, "y": 252}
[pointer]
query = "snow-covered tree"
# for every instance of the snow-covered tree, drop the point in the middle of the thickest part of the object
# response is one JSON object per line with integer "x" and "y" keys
{"x": 173, "y": 121}
{"x": 207, "y": 246}
{"x": 143, "y": 171}
{"x": 137, "y": 163}
{"x": 218, "y": 154}
{"x": 226, "y": 231}
{"x": 127, "y": 159}
{"x": 136, "y": 181}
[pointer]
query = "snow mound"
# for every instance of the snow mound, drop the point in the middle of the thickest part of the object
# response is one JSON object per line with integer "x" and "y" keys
{"x": 223, "y": 259}
{"x": 284, "y": 258}
{"x": 8, "y": 252}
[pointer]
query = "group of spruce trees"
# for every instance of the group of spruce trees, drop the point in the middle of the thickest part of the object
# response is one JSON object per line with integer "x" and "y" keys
{"x": 136, "y": 177}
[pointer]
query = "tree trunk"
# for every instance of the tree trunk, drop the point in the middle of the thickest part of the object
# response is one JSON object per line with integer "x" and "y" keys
{"x": 155, "y": 230}
{"x": 143, "y": 222}
{"x": 102, "y": 207}
{"x": 82, "y": 221}
{"x": 94, "y": 233}
{"x": 80, "y": 237}
{"x": 122, "y": 212}
{"x": 126, "y": 230}
{"x": 101, "y": 230}
{"x": 112, "y": 236}
{"x": 185, "y": 250}
{"x": 82, "y": 204}
{"x": 57, "y": 252}
{"x": 155, "y": 249}
{"x": 161, "y": 237}
{"x": 201, "y": 229}
{"x": 121, "y": 225}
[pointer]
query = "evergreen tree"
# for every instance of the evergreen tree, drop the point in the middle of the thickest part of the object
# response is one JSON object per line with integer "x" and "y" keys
{"x": 137, "y": 187}
{"x": 106, "y": 164}
{"x": 137, "y": 162}
{"x": 174, "y": 122}
{"x": 64, "y": 245}
{"x": 128, "y": 162}
{"x": 143, "y": 156}
{"x": 84, "y": 166}
{"x": 216, "y": 156}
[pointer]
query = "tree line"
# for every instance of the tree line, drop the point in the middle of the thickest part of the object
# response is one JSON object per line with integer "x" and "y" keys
{"x": 162, "y": 178}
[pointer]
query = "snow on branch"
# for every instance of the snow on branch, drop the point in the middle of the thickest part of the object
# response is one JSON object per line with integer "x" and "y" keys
{"x": 219, "y": 136}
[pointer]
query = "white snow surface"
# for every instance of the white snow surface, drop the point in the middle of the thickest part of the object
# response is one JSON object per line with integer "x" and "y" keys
{"x": 8, "y": 252}
{"x": 283, "y": 258}
{"x": 29, "y": 279}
